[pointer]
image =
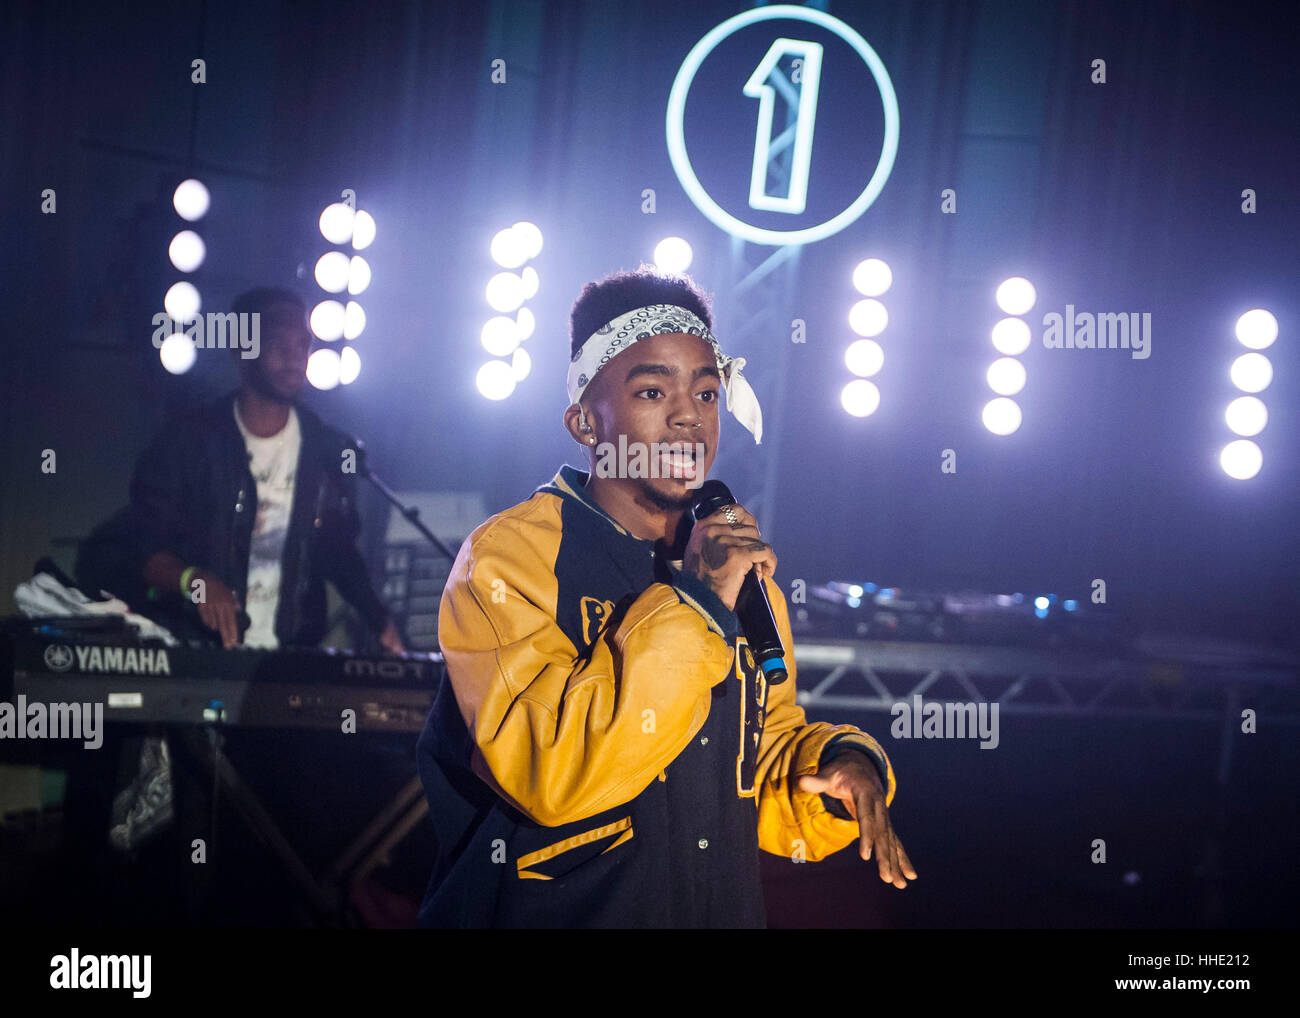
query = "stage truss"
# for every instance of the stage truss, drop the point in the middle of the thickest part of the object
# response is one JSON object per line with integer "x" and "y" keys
{"x": 874, "y": 676}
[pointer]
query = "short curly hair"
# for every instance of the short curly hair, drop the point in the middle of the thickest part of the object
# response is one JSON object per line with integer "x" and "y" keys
{"x": 603, "y": 301}
{"x": 261, "y": 299}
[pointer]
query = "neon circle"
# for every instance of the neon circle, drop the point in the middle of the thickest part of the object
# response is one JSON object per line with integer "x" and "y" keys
{"x": 677, "y": 140}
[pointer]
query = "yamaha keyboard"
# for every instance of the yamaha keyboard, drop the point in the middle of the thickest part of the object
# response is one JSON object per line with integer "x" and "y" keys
{"x": 289, "y": 688}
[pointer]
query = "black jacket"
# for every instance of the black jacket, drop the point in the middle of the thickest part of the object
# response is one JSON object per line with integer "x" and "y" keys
{"x": 193, "y": 494}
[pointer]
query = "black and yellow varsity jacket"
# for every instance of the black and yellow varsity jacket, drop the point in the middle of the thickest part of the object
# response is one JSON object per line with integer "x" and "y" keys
{"x": 603, "y": 750}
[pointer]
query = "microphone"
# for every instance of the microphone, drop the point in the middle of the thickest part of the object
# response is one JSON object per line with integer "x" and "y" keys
{"x": 359, "y": 447}
{"x": 752, "y": 606}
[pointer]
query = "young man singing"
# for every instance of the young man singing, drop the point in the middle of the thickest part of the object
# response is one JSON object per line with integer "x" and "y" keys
{"x": 604, "y": 750}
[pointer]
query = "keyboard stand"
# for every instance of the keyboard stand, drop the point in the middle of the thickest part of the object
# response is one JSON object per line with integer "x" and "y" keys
{"x": 205, "y": 746}
{"x": 375, "y": 843}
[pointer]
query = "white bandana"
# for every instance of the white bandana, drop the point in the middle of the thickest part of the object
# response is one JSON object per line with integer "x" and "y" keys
{"x": 614, "y": 337}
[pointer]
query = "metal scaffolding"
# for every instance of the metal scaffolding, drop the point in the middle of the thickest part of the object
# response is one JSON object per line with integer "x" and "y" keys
{"x": 874, "y": 676}
{"x": 759, "y": 310}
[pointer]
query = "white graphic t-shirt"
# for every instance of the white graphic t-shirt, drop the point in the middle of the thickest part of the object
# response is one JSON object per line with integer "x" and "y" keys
{"x": 274, "y": 462}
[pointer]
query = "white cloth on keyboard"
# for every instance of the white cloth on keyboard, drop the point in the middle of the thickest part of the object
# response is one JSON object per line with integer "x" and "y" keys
{"x": 44, "y": 595}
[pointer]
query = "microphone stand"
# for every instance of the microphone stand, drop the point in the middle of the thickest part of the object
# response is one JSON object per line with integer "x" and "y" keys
{"x": 412, "y": 513}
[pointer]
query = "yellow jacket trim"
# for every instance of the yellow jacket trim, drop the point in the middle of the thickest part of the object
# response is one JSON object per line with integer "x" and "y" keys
{"x": 560, "y": 847}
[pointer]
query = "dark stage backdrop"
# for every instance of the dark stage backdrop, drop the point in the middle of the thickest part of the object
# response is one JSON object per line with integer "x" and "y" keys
{"x": 1117, "y": 197}
{"x": 1121, "y": 197}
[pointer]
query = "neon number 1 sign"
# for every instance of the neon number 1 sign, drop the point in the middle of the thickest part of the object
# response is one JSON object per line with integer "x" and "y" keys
{"x": 763, "y": 85}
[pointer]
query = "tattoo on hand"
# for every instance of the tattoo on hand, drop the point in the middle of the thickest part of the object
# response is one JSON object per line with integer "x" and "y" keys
{"x": 714, "y": 553}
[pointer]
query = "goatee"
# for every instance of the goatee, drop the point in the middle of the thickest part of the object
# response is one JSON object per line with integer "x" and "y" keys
{"x": 666, "y": 502}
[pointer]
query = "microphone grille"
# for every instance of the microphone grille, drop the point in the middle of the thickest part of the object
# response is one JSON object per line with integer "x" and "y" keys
{"x": 711, "y": 497}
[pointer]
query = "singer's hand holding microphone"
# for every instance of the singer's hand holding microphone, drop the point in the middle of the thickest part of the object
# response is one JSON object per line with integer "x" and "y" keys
{"x": 727, "y": 552}
{"x": 722, "y": 553}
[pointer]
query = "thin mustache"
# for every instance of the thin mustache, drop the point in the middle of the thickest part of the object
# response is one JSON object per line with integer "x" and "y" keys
{"x": 681, "y": 445}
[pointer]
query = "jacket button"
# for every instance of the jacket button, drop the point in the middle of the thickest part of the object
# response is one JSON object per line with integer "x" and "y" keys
{"x": 239, "y": 507}
{"x": 704, "y": 843}
{"x": 704, "y": 741}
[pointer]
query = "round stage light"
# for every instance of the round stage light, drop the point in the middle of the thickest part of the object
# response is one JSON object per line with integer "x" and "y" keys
{"x": 332, "y": 271}
{"x": 864, "y": 357}
{"x": 495, "y": 379}
{"x": 507, "y": 249}
{"x": 1016, "y": 295}
{"x": 872, "y": 277}
{"x": 520, "y": 365}
{"x": 327, "y": 320}
{"x": 336, "y": 223}
{"x": 860, "y": 398}
{"x": 191, "y": 200}
{"x": 1011, "y": 336}
{"x": 1241, "y": 459}
{"x": 354, "y": 320}
{"x": 1006, "y": 376}
{"x": 187, "y": 251}
{"x": 500, "y": 336}
{"x": 177, "y": 353}
{"x": 527, "y": 321}
{"x": 673, "y": 256}
{"x": 182, "y": 302}
{"x": 868, "y": 317}
{"x": 531, "y": 281}
{"x": 1251, "y": 372}
{"x": 530, "y": 237}
{"x": 363, "y": 230}
{"x": 1001, "y": 416}
{"x": 505, "y": 292}
{"x": 1246, "y": 415}
{"x": 349, "y": 365}
{"x": 324, "y": 369}
{"x": 1257, "y": 329}
{"x": 358, "y": 275}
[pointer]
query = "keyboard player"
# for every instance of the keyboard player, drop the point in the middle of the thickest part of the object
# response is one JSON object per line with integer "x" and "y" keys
{"x": 244, "y": 505}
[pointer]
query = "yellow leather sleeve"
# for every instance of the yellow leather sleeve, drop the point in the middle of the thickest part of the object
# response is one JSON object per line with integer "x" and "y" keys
{"x": 791, "y": 747}
{"x": 560, "y": 737}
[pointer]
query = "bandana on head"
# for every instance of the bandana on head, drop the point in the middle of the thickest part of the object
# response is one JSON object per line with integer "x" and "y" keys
{"x": 614, "y": 337}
